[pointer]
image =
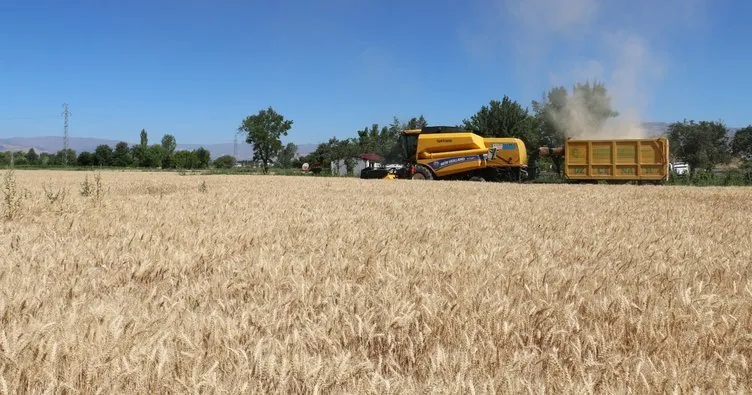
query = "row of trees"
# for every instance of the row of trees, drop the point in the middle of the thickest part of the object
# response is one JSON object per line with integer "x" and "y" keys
{"x": 162, "y": 155}
{"x": 550, "y": 121}
{"x": 585, "y": 110}
{"x": 265, "y": 129}
{"x": 381, "y": 140}
{"x": 705, "y": 144}
{"x": 560, "y": 114}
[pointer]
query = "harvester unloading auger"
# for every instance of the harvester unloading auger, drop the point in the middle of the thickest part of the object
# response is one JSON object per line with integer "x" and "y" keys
{"x": 451, "y": 153}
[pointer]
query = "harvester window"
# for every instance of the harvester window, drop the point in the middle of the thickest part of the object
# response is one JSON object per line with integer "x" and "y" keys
{"x": 410, "y": 145}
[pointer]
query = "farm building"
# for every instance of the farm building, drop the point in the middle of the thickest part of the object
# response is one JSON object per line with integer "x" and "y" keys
{"x": 359, "y": 162}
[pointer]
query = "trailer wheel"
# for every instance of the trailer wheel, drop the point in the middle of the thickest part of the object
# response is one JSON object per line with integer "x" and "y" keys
{"x": 421, "y": 173}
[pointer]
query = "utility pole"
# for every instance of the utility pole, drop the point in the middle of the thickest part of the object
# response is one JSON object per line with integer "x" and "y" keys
{"x": 66, "y": 117}
{"x": 235, "y": 147}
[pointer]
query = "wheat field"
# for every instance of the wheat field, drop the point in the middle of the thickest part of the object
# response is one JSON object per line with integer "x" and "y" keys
{"x": 169, "y": 283}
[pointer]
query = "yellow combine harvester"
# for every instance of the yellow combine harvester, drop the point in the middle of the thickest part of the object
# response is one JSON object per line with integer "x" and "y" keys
{"x": 450, "y": 153}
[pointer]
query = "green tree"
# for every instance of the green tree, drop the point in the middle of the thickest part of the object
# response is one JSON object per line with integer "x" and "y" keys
{"x": 32, "y": 157}
{"x": 103, "y": 155}
{"x": 139, "y": 152}
{"x": 19, "y": 158}
{"x": 86, "y": 159}
{"x": 376, "y": 139}
{"x": 336, "y": 150}
{"x": 154, "y": 156}
{"x": 741, "y": 144}
{"x": 384, "y": 140}
{"x": 505, "y": 118}
{"x": 169, "y": 144}
{"x": 65, "y": 156}
{"x": 264, "y": 130}
{"x": 286, "y": 155}
{"x": 185, "y": 159}
{"x": 322, "y": 155}
{"x": 203, "y": 157}
{"x": 138, "y": 155}
{"x": 45, "y": 159}
{"x": 702, "y": 145}
{"x": 415, "y": 123}
{"x": 393, "y": 152}
{"x": 381, "y": 140}
{"x": 224, "y": 162}
{"x": 121, "y": 157}
{"x": 144, "y": 139}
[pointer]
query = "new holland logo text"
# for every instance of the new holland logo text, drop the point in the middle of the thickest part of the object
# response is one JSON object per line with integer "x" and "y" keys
{"x": 439, "y": 164}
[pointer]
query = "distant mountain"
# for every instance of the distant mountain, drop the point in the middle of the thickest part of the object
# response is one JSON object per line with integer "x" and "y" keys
{"x": 52, "y": 144}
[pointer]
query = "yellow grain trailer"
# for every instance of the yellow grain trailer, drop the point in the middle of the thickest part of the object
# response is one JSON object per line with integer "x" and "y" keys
{"x": 618, "y": 160}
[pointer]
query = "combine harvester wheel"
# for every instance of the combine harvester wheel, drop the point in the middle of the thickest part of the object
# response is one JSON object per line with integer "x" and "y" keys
{"x": 421, "y": 173}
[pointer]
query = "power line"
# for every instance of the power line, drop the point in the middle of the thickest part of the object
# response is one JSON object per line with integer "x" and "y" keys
{"x": 66, "y": 117}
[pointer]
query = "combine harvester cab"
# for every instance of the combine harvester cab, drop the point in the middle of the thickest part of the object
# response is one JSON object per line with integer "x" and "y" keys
{"x": 614, "y": 161}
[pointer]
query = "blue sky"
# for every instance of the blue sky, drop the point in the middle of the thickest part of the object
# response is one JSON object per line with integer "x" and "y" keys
{"x": 195, "y": 69}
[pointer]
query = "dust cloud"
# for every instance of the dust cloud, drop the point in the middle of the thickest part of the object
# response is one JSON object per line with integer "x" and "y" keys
{"x": 601, "y": 41}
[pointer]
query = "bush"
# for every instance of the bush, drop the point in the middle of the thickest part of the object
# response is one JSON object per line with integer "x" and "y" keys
{"x": 224, "y": 162}
{"x": 95, "y": 190}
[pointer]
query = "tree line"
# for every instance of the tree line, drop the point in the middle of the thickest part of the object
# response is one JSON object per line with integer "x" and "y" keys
{"x": 585, "y": 109}
{"x": 550, "y": 120}
{"x": 264, "y": 130}
{"x": 142, "y": 155}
